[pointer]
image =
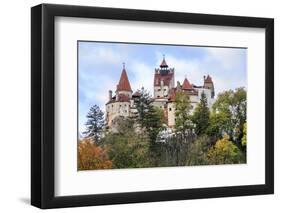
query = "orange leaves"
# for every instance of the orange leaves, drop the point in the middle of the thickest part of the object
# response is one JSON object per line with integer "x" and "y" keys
{"x": 91, "y": 156}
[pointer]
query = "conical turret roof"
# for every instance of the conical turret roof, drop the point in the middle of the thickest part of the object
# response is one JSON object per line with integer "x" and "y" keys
{"x": 124, "y": 84}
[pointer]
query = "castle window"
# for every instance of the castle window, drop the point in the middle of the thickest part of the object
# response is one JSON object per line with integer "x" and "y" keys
{"x": 170, "y": 109}
{"x": 159, "y": 89}
{"x": 158, "y": 96}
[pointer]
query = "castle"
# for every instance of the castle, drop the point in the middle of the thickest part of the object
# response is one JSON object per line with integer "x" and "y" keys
{"x": 164, "y": 92}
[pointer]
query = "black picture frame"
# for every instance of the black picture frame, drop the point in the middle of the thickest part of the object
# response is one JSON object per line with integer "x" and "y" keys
{"x": 43, "y": 105}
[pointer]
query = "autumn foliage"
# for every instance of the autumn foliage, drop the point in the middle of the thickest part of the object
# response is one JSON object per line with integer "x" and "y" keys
{"x": 91, "y": 156}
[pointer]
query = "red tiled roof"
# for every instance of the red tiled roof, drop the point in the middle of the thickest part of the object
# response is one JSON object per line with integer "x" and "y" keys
{"x": 124, "y": 84}
{"x": 208, "y": 79}
{"x": 166, "y": 79}
{"x": 121, "y": 98}
{"x": 186, "y": 84}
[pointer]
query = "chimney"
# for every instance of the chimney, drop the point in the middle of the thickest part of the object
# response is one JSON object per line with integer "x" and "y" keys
{"x": 110, "y": 95}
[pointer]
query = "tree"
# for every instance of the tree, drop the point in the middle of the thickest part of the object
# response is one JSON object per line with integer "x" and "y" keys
{"x": 91, "y": 156}
{"x": 182, "y": 113}
{"x": 126, "y": 148}
{"x": 150, "y": 118}
{"x": 225, "y": 152}
{"x": 201, "y": 116}
{"x": 219, "y": 124}
{"x": 229, "y": 111}
{"x": 153, "y": 122}
{"x": 94, "y": 124}
{"x": 143, "y": 105}
{"x": 244, "y": 138}
{"x": 198, "y": 152}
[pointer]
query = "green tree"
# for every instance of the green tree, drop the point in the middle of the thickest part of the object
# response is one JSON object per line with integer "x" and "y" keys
{"x": 94, "y": 124}
{"x": 244, "y": 138}
{"x": 143, "y": 105}
{"x": 198, "y": 151}
{"x": 201, "y": 116}
{"x": 127, "y": 149}
{"x": 229, "y": 114}
{"x": 183, "y": 122}
{"x": 225, "y": 152}
{"x": 149, "y": 118}
{"x": 153, "y": 121}
{"x": 220, "y": 123}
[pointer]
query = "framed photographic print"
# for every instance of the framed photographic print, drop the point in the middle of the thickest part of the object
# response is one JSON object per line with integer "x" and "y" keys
{"x": 139, "y": 106}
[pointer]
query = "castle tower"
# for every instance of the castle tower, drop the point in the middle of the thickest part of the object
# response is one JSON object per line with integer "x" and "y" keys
{"x": 120, "y": 104}
{"x": 163, "y": 80}
{"x": 123, "y": 88}
{"x": 208, "y": 84}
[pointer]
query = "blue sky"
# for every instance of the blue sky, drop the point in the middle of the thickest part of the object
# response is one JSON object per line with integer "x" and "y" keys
{"x": 100, "y": 66}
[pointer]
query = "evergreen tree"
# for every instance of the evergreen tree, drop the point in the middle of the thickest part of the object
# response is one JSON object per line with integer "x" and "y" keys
{"x": 143, "y": 106}
{"x": 149, "y": 117}
{"x": 201, "y": 116}
{"x": 94, "y": 124}
{"x": 183, "y": 123}
{"x": 153, "y": 121}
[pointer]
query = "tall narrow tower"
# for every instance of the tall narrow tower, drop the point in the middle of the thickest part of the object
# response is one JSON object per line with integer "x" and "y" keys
{"x": 208, "y": 84}
{"x": 163, "y": 80}
{"x": 120, "y": 104}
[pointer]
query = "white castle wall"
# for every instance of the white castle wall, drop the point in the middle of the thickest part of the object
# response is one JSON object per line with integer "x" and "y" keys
{"x": 116, "y": 109}
{"x": 161, "y": 91}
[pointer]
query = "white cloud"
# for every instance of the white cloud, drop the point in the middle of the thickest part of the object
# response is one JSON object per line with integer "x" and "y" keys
{"x": 228, "y": 58}
{"x": 143, "y": 76}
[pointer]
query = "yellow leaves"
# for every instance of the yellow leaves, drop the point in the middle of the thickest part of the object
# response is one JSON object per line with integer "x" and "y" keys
{"x": 224, "y": 152}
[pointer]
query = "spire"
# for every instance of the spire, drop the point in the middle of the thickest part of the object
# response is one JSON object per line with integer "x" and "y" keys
{"x": 186, "y": 84}
{"x": 124, "y": 84}
{"x": 163, "y": 63}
